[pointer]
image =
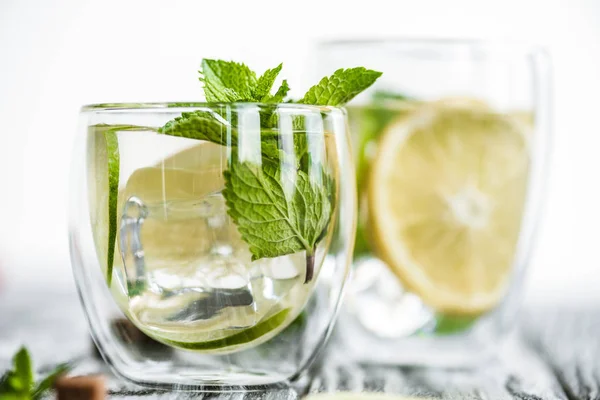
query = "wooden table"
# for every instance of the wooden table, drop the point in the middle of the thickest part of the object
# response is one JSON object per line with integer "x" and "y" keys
{"x": 554, "y": 354}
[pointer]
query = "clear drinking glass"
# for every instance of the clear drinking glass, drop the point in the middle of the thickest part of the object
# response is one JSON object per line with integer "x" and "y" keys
{"x": 451, "y": 148}
{"x": 175, "y": 213}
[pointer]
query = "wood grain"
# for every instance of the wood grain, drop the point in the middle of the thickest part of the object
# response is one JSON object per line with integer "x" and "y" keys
{"x": 555, "y": 355}
{"x": 568, "y": 340}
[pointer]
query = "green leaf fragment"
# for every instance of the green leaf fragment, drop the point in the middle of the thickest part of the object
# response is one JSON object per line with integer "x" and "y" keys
{"x": 341, "y": 87}
{"x": 280, "y": 206}
{"x": 277, "y": 210}
{"x": 18, "y": 383}
{"x": 112, "y": 146}
{"x": 23, "y": 369}
{"x": 227, "y": 81}
{"x": 280, "y": 94}
{"x": 245, "y": 336}
{"x": 13, "y": 396}
{"x": 201, "y": 125}
{"x": 262, "y": 91}
{"x": 450, "y": 324}
{"x": 48, "y": 382}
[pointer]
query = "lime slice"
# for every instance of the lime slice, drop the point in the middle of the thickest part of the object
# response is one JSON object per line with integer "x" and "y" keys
{"x": 449, "y": 324}
{"x": 104, "y": 190}
{"x": 258, "y": 331}
{"x": 446, "y": 196}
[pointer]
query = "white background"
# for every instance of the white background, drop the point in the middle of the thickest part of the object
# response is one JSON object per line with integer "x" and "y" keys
{"x": 56, "y": 55}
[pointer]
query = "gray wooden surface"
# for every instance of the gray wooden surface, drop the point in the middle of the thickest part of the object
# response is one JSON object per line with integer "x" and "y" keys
{"x": 555, "y": 354}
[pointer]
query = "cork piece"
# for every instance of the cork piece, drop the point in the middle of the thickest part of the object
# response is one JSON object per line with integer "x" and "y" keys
{"x": 90, "y": 387}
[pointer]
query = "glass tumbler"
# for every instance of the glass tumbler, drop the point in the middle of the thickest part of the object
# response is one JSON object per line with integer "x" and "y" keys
{"x": 211, "y": 243}
{"x": 451, "y": 148}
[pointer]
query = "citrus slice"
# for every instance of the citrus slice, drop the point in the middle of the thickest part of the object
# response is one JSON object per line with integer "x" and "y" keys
{"x": 446, "y": 194}
{"x": 103, "y": 190}
{"x": 259, "y": 333}
{"x": 189, "y": 174}
{"x": 181, "y": 192}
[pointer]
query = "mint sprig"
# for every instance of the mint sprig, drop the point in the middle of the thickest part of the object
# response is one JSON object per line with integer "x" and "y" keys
{"x": 277, "y": 211}
{"x": 201, "y": 125}
{"x": 227, "y": 81}
{"x": 341, "y": 87}
{"x": 277, "y": 208}
{"x": 18, "y": 383}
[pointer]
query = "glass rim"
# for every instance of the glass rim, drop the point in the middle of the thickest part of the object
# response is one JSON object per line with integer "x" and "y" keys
{"x": 194, "y": 105}
{"x": 488, "y": 45}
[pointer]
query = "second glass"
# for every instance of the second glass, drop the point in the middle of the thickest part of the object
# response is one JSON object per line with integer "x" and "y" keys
{"x": 450, "y": 148}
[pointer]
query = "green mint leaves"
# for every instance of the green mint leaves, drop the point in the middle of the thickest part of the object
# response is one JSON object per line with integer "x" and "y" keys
{"x": 274, "y": 221}
{"x": 262, "y": 91}
{"x": 201, "y": 125}
{"x": 18, "y": 383}
{"x": 341, "y": 87}
{"x": 277, "y": 208}
{"x": 228, "y": 81}
{"x": 277, "y": 211}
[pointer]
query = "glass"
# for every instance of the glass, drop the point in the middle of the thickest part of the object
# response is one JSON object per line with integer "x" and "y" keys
{"x": 171, "y": 228}
{"x": 451, "y": 148}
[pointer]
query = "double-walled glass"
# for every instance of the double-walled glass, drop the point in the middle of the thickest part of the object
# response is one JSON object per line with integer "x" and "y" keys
{"x": 211, "y": 242}
{"x": 450, "y": 147}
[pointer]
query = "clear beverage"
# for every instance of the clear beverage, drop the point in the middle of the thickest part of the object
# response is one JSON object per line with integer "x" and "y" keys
{"x": 459, "y": 196}
{"x": 224, "y": 231}
{"x": 451, "y": 148}
{"x": 183, "y": 274}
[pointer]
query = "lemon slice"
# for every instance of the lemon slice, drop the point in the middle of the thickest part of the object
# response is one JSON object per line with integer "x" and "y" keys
{"x": 446, "y": 194}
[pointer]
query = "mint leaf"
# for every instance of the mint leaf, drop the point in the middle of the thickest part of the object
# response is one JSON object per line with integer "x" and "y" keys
{"x": 227, "y": 81}
{"x": 263, "y": 87}
{"x": 278, "y": 210}
{"x": 201, "y": 125}
{"x": 4, "y": 384}
{"x": 280, "y": 94}
{"x": 48, "y": 382}
{"x": 18, "y": 383}
{"x": 13, "y": 396}
{"x": 7, "y": 385}
{"x": 382, "y": 96}
{"x": 23, "y": 372}
{"x": 341, "y": 87}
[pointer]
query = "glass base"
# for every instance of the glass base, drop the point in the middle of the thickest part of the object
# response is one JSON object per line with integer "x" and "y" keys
{"x": 381, "y": 305}
{"x": 382, "y": 323}
{"x": 169, "y": 369}
{"x": 204, "y": 382}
